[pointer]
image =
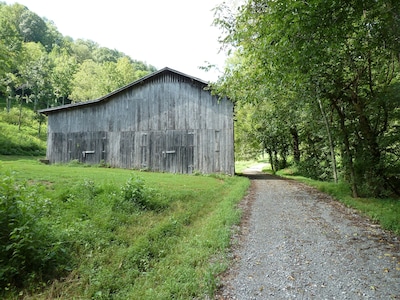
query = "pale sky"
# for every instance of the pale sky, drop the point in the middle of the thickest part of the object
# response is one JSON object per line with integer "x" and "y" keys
{"x": 164, "y": 33}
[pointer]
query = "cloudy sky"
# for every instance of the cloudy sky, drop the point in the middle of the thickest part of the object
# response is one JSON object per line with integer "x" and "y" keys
{"x": 164, "y": 33}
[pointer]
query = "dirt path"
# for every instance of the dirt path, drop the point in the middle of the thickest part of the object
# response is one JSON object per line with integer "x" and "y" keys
{"x": 297, "y": 243}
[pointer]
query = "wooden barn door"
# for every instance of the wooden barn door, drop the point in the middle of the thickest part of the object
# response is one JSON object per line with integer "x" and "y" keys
{"x": 174, "y": 151}
{"x": 171, "y": 152}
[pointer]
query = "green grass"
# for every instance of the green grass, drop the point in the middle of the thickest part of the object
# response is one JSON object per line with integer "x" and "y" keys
{"x": 172, "y": 250}
{"x": 23, "y": 139}
{"x": 385, "y": 212}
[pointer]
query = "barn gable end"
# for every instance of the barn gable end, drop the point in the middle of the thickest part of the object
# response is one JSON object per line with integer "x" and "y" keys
{"x": 165, "y": 122}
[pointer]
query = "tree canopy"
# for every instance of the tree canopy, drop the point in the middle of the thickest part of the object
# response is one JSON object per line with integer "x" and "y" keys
{"x": 326, "y": 74}
{"x": 42, "y": 67}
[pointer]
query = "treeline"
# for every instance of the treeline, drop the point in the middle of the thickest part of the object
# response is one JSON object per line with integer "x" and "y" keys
{"x": 42, "y": 68}
{"x": 316, "y": 83}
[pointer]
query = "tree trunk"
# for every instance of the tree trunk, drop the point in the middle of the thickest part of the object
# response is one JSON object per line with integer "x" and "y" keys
{"x": 296, "y": 143}
{"x": 276, "y": 161}
{"x": 347, "y": 155}
{"x": 9, "y": 98}
{"x": 374, "y": 173}
{"x": 331, "y": 145}
{"x": 20, "y": 110}
{"x": 271, "y": 160}
{"x": 20, "y": 116}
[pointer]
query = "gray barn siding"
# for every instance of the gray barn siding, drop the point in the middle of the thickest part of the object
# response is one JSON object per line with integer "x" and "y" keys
{"x": 167, "y": 123}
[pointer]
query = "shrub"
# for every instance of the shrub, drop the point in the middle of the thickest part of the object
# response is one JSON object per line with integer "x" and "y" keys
{"x": 29, "y": 250}
{"x": 135, "y": 195}
{"x": 314, "y": 168}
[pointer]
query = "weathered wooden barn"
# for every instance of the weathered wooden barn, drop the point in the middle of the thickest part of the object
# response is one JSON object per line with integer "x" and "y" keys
{"x": 166, "y": 121}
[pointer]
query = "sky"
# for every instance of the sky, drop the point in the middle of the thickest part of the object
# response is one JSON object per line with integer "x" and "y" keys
{"x": 164, "y": 33}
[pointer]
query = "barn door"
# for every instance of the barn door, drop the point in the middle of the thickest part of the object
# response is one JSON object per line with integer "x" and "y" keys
{"x": 171, "y": 152}
{"x": 176, "y": 151}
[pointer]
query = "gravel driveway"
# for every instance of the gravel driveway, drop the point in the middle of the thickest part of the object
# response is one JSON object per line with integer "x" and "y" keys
{"x": 297, "y": 243}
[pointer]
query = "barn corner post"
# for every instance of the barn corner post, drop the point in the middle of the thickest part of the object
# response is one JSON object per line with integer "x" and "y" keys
{"x": 166, "y": 121}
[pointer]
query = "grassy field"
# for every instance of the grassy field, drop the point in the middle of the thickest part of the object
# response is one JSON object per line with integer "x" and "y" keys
{"x": 126, "y": 234}
{"x": 22, "y": 139}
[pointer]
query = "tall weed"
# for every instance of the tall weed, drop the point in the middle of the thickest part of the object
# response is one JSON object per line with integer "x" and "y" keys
{"x": 29, "y": 250}
{"x": 135, "y": 195}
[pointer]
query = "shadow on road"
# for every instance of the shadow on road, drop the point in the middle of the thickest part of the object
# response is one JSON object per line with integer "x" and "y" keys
{"x": 260, "y": 176}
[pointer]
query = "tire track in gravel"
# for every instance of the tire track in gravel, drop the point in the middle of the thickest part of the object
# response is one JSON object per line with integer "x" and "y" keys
{"x": 297, "y": 243}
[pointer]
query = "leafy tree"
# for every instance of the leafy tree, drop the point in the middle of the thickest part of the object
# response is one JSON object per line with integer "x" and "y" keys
{"x": 10, "y": 48}
{"x": 83, "y": 50}
{"x": 64, "y": 68}
{"x": 32, "y": 27}
{"x": 94, "y": 80}
{"x": 35, "y": 75}
{"x": 86, "y": 84}
{"x": 344, "y": 54}
{"x": 53, "y": 37}
{"x": 103, "y": 54}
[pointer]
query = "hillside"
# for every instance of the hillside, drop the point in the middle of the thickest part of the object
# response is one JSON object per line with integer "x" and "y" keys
{"x": 19, "y": 133}
{"x": 41, "y": 68}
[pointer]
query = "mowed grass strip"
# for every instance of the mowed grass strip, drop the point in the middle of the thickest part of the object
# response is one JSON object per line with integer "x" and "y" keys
{"x": 173, "y": 251}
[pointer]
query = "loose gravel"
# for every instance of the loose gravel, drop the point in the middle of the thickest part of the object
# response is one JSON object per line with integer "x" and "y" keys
{"x": 297, "y": 243}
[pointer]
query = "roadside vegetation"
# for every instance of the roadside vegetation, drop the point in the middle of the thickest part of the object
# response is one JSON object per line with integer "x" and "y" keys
{"x": 75, "y": 231}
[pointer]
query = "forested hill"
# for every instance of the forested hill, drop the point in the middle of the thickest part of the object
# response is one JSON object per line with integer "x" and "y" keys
{"x": 42, "y": 68}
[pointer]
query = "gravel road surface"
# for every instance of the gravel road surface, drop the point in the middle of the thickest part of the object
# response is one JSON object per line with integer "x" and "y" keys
{"x": 297, "y": 243}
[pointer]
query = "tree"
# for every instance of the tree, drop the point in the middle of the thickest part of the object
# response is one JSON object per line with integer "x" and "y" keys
{"x": 86, "y": 84}
{"x": 94, "y": 80}
{"x": 103, "y": 54}
{"x": 10, "y": 49}
{"x": 32, "y": 27}
{"x": 35, "y": 71}
{"x": 344, "y": 53}
{"x": 64, "y": 69}
{"x": 83, "y": 50}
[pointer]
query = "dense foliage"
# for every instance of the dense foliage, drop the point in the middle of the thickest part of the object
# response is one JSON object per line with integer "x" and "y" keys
{"x": 317, "y": 82}
{"x": 43, "y": 68}
{"x": 29, "y": 250}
